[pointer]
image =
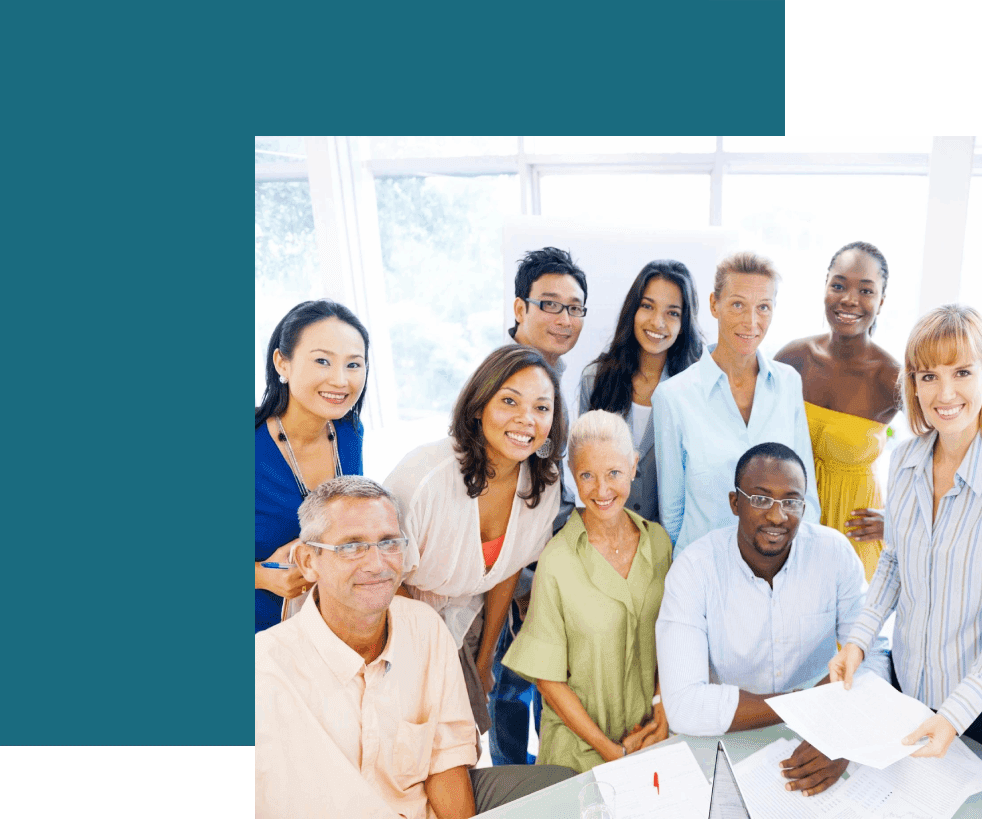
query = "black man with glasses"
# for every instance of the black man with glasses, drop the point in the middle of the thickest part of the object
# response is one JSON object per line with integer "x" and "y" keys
{"x": 361, "y": 707}
{"x": 755, "y": 609}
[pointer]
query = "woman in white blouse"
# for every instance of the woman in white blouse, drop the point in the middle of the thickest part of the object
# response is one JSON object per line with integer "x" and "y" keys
{"x": 930, "y": 568}
{"x": 657, "y": 336}
{"x": 479, "y": 505}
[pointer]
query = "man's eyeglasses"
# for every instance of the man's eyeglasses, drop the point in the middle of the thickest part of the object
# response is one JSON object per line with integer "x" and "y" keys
{"x": 792, "y": 506}
{"x": 352, "y": 551}
{"x": 547, "y": 306}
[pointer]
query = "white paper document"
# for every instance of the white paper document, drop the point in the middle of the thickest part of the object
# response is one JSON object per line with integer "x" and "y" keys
{"x": 682, "y": 793}
{"x": 864, "y": 724}
{"x": 908, "y": 789}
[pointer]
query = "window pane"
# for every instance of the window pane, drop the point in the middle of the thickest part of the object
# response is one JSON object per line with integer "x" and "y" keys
{"x": 287, "y": 266}
{"x": 825, "y": 144}
{"x": 619, "y": 144}
{"x": 649, "y": 200}
{"x": 280, "y": 149}
{"x": 801, "y": 221}
{"x": 400, "y": 147}
{"x": 445, "y": 295}
{"x": 971, "y": 282}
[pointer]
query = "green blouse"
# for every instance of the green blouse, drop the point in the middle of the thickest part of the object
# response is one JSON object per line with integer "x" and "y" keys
{"x": 589, "y": 627}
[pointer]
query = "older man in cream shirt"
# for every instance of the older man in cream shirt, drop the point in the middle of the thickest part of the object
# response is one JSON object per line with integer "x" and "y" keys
{"x": 361, "y": 708}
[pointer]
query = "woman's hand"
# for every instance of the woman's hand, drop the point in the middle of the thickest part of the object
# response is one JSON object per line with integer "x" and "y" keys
{"x": 288, "y": 583}
{"x": 941, "y": 733}
{"x": 652, "y": 730}
{"x": 865, "y": 524}
{"x": 484, "y": 665}
{"x": 844, "y": 664}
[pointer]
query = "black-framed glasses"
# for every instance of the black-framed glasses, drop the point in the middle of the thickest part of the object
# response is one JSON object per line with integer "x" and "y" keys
{"x": 792, "y": 506}
{"x": 548, "y": 306}
{"x": 352, "y": 551}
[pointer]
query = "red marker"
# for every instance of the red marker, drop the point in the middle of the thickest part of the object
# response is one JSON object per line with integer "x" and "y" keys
{"x": 655, "y": 783}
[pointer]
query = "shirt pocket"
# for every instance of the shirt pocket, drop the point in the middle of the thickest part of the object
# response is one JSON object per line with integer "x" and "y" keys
{"x": 411, "y": 753}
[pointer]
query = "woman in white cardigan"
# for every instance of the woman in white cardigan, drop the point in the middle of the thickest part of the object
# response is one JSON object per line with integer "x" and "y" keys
{"x": 479, "y": 505}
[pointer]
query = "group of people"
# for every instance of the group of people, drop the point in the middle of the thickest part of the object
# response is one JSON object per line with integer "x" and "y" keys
{"x": 730, "y": 519}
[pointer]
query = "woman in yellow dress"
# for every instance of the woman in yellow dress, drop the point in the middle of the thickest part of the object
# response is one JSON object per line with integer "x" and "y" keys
{"x": 850, "y": 391}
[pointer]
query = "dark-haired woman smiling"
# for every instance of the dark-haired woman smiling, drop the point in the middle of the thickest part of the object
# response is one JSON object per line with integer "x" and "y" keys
{"x": 307, "y": 431}
{"x": 479, "y": 505}
{"x": 657, "y": 336}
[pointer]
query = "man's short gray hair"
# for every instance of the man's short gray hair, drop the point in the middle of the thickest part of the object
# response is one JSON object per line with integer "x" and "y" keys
{"x": 313, "y": 512}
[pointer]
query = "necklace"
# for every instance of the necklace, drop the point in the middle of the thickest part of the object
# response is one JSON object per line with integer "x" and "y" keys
{"x": 295, "y": 467}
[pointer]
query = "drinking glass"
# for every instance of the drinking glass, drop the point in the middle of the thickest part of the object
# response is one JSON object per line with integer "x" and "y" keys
{"x": 597, "y": 801}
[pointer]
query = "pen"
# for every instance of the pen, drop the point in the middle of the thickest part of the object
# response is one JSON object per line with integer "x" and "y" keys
{"x": 273, "y": 565}
{"x": 655, "y": 783}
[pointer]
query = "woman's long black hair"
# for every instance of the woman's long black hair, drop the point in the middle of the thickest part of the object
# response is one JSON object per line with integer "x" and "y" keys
{"x": 285, "y": 338}
{"x": 613, "y": 389}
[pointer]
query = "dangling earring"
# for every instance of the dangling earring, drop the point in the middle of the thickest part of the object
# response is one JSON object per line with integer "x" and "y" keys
{"x": 282, "y": 379}
{"x": 545, "y": 450}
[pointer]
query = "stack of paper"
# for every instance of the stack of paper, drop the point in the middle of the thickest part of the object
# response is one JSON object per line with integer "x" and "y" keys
{"x": 864, "y": 724}
{"x": 908, "y": 789}
{"x": 682, "y": 792}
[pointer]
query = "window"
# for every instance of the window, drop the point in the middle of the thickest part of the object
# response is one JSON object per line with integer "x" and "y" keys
{"x": 648, "y": 199}
{"x": 287, "y": 263}
{"x": 801, "y": 221}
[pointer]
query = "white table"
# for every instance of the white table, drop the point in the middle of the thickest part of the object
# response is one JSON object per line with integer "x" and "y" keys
{"x": 561, "y": 801}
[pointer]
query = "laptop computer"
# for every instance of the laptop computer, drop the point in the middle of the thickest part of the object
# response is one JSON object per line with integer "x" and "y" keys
{"x": 726, "y": 801}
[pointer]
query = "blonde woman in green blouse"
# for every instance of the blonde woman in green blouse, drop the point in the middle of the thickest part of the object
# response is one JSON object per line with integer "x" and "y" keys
{"x": 589, "y": 639}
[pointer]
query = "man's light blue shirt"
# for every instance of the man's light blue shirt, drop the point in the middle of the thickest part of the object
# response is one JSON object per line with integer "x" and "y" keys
{"x": 700, "y": 435}
{"x": 721, "y": 628}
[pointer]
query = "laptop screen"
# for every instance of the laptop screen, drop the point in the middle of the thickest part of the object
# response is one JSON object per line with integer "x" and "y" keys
{"x": 726, "y": 801}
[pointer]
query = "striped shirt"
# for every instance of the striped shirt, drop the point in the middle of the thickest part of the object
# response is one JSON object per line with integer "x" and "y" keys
{"x": 931, "y": 573}
{"x": 721, "y": 628}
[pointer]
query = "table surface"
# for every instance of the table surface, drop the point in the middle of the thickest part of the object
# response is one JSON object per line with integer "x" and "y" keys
{"x": 562, "y": 801}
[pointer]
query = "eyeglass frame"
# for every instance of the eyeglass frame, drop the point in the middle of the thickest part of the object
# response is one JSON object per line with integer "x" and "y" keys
{"x": 781, "y": 501}
{"x": 332, "y": 547}
{"x": 567, "y": 307}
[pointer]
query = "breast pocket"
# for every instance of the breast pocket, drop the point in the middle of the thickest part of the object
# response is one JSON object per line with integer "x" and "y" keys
{"x": 411, "y": 752}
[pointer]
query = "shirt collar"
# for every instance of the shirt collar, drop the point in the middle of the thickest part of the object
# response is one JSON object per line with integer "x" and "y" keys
{"x": 711, "y": 373}
{"x": 344, "y": 661}
{"x": 575, "y": 531}
{"x": 744, "y": 567}
{"x": 969, "y": 470}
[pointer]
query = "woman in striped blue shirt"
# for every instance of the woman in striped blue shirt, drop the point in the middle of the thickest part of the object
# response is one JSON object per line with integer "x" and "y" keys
{"x": 931, "y": 566}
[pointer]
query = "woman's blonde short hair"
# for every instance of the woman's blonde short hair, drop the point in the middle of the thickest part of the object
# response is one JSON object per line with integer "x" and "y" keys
{"x": 600, "y": 426}
{"x": 950, "y": 334}
{"x": 744, "y": 262}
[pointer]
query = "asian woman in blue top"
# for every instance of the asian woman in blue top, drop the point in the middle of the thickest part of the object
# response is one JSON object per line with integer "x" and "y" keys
{"x": 307, "y": 432}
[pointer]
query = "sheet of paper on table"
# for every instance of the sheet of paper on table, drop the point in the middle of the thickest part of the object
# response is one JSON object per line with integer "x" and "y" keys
{"x": 684, "y": 791}
{"x": 908, "y": 789}
{"x": 864, "y": 724}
